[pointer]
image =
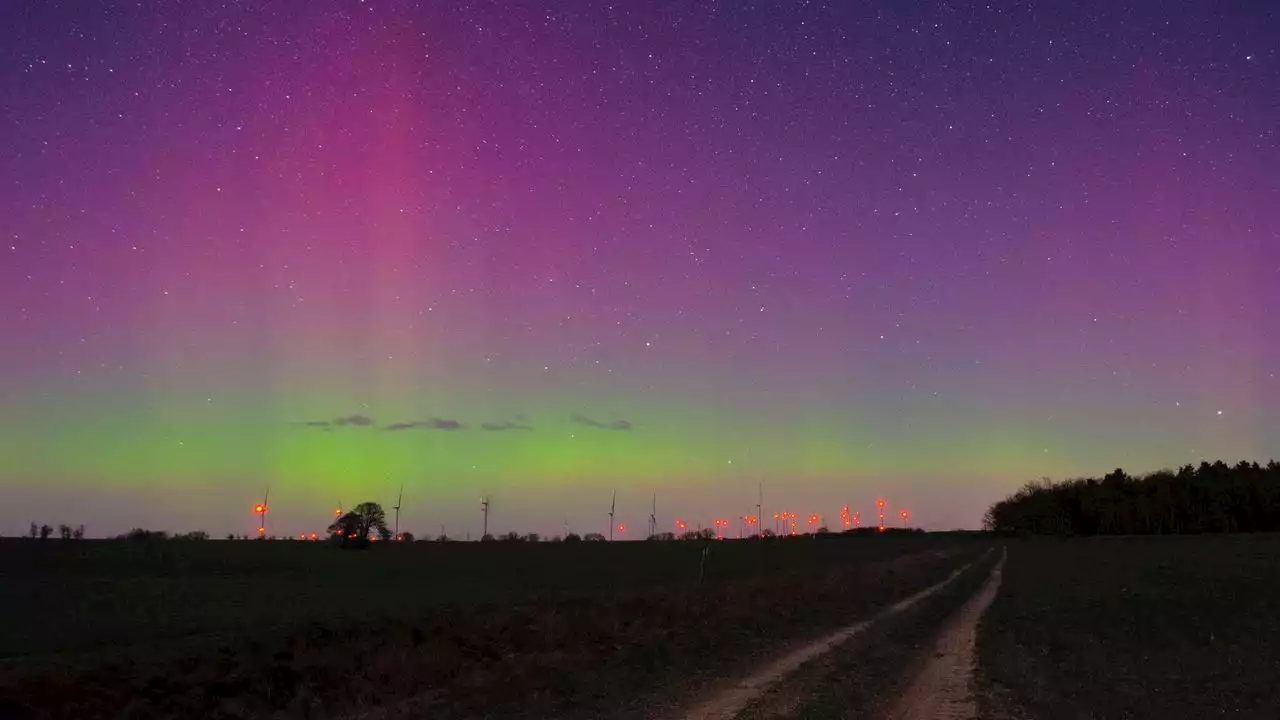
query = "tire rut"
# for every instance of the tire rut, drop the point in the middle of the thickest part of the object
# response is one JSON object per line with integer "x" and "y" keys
{"x": 943, "y": 688}
{"x": 729, "y": 702}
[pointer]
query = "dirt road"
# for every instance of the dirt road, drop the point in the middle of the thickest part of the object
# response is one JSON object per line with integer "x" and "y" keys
{"x": 943, "y": 688}
{"x": 728, "y": 702}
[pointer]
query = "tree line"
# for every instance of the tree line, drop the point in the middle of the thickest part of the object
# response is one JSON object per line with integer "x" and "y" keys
{"x": 1211, "y": 498}
{"x": 65, "y": 532}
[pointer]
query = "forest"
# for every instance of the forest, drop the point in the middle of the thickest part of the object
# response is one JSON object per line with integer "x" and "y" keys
{"x": 1211, "y": 498}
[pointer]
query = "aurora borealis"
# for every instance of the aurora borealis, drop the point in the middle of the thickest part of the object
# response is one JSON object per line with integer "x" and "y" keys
{"x": 921, "y": 250}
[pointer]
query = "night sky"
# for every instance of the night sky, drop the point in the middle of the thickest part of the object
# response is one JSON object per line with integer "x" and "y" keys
{"x": 921, "y": 251}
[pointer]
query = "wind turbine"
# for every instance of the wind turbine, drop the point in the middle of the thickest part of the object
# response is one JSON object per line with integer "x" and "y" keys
{"x": 399, "y": 499}
{"x": 760, "y": 511}
{"x": 261, "y": 510}
{"x": 484, "y": 508}
{"x": 653, "y": 517}
{"x": 612, "y": 506}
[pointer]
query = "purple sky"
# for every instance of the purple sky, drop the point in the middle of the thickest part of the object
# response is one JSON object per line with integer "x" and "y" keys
{"x": 921, "y": 251}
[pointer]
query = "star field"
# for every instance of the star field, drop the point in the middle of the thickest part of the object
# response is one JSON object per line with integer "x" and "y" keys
{"x": 920, "y": 250}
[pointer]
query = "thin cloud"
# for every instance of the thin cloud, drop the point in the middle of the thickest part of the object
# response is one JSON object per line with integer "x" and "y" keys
{"x": 615, "y": 425}
{"x": 502, "y": 426}
{"x": 347, "y": 421}
{"x": 432, "y": 424}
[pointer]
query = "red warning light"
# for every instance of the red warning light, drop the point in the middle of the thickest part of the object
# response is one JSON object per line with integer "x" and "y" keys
{"x": 262, "y": 531}
{"x": 622, "y": 527}
{"x": 680, "y": 525}
{"x": 880, "y": 503}
{"x": 313, "y": 536}
{"x": 259, "y": 508}
{"x": 337, "y": 512}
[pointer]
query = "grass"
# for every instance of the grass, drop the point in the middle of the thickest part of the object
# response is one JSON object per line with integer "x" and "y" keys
{"x": 1134, "y": 627}
{"x": 230, "y": 630}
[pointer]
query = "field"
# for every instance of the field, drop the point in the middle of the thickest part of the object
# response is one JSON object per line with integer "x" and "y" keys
{"x": 1126, "y": 627}
{"x": 288, "y": 629}
{"x": 1135, "y": 627}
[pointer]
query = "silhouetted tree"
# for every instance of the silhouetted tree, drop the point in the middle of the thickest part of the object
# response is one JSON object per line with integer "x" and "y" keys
{"x": 34, "y": 532}
{"x": 594, "y": 537}
{"x": 512, "y": 536}
{"x": 141, "y": 535}
{"x": 487, "y": 537}
{"x": 406, "y": 536}
{"x": 573, "y": 537}
{"x": 45, "y": 532}
{"x": 64, "y": 531}
{"x": 78, "y": 533}
{"x": 663, "y": 536}
{"x": 356, "y": 528}
{"x": 532, "y": 537}
{"x": 1208, "y": 498}
{"x": 193, "y": 535}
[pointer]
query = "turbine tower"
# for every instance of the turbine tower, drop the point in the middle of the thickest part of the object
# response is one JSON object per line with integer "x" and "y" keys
{"x": 399, "y": 499}
{"x": 760, "y": 511}
{"x": 613, "y": 505}
{"x": 653, "y": 517}
{"x": 484, "y": 508}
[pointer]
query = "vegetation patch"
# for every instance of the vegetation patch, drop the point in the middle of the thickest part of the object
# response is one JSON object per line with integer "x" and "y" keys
{"x": 1157, "y": 627}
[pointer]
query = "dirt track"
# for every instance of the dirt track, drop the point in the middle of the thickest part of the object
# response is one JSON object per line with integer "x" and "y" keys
{"x": 730, "y": 701}
{"x": 943, "y": 688}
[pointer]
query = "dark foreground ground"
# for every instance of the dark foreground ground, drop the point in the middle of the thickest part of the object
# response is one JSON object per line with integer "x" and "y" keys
{"x": 862, "y": 678}
{"x": 1136, "y": 627}
{"x": 284, "y": 629}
